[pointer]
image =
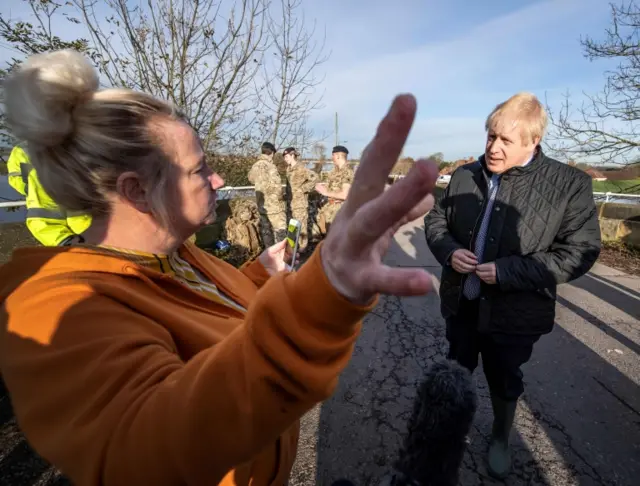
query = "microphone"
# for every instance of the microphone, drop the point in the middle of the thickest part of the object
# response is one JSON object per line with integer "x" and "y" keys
{"x": 436, "y": 440}
{"x": 442, "y": 415}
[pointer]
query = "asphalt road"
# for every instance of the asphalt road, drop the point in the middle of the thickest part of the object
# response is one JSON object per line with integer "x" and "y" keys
{"x": 578, "y": 423}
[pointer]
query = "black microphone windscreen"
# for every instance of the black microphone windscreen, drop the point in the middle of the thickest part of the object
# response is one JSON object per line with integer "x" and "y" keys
{"x": 437, "y": 430}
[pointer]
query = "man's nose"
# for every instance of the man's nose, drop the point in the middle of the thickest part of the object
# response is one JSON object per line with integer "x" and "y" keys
{"x": 494, "y": 146}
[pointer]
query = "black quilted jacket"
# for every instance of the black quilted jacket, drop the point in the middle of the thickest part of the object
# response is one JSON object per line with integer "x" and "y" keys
{"x": 544, "y": 231}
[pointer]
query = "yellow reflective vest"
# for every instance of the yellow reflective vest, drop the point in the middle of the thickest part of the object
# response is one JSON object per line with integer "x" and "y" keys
{"x": 19, "y": 167}
{"x": 49, "y": 223}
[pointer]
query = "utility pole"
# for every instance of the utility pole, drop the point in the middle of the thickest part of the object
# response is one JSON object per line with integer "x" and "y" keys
{"x": 337, "y": 128}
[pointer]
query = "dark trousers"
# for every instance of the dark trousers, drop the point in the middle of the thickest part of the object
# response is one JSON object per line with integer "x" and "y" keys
{"x": 502, "y": 355}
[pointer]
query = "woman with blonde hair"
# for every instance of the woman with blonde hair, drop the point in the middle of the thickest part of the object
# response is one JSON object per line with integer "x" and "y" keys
{"x": 135, "y": 357}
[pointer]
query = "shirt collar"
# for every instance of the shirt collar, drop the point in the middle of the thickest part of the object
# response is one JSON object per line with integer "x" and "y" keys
{"x": 530, "y": 159}
{"x": 495, "y": 177}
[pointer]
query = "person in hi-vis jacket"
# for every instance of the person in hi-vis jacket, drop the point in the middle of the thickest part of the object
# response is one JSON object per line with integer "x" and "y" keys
{"x": 48, "y": 223}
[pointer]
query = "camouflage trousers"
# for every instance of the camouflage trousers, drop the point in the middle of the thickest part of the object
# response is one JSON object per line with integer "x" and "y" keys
{"x": 326, "y": 215}
{"x": 301, "y": 213}
{"x": 273, "y": 227}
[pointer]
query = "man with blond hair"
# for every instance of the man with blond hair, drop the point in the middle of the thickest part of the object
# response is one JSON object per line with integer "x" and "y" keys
{"x": 508, "y": 229}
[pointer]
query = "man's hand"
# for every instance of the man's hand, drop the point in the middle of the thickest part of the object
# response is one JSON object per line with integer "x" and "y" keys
{"x": 464, "y": 261}
{"x": 487, "y": 273}
{"x": 360, "y": 236}
{"x": 321, "y": 188}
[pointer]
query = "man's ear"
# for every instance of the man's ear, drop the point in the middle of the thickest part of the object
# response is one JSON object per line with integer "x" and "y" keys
{"x": 536, "y": 141}
{"x": 129, "y": 188}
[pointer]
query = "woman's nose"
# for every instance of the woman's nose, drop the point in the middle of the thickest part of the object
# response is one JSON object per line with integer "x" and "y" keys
{"x": 216, "y": 181}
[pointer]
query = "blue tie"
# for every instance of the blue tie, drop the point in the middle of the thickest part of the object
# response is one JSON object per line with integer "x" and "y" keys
{"x": 471, "y": 289}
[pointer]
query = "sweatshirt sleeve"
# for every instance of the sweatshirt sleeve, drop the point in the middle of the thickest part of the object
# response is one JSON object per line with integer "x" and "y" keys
{"x": 115, "y": 404}
{"x": 256, "y": 272}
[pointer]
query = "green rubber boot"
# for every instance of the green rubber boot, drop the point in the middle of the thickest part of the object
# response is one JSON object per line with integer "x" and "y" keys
{"x": 499, "y": 460}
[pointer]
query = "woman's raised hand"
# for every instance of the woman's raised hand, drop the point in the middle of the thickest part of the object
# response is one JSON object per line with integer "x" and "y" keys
{"x": 360, "y": 236}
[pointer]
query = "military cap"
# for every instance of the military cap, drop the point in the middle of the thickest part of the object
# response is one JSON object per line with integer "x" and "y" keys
{"x": 269, "y": 146}
{"x": 289, "y": 150}
{"x": 340, "y": 149}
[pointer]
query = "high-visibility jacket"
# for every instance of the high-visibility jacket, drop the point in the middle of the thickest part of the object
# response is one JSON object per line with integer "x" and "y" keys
{"x": 19, "y": 167}
{"x": 49, "y": 223}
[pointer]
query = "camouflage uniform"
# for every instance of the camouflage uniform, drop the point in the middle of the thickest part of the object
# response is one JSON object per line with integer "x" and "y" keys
{"x": 273, "y": 218}
{"x": 300, "y": 182}
{"x": 242, "y": 227}
{"x": 335, "y": 179}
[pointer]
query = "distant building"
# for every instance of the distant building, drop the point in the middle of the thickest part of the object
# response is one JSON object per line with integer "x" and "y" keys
{"x": 448, "y": 170}
{"x": 596, "y": 175}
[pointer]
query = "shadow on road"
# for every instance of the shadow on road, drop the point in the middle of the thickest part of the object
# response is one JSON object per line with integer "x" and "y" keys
{"x": 586, "y": 408}
{"x": 600, "y": 324}
{"x": 577, "y": 422}
{"x": 625, "y": 299}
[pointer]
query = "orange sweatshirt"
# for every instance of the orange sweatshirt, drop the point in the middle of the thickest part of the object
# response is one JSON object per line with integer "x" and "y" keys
{"x": 119, "y": 375}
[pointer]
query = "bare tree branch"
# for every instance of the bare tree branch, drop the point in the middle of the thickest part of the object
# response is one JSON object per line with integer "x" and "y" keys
{"x": 27, "y": 38}
{"x": 606, "y": 126}
{"x": 207, "y": 56}
{"x": 185, "y": 51}
{"x": 289, "y": 94}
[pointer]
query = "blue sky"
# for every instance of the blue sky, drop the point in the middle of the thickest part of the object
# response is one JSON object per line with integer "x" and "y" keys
{"x": 459, "y": 58}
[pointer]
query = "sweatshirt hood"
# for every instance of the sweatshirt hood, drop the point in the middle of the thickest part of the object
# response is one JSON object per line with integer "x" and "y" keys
{"x": 36, "y": 263}
{"x": 62, "y": 264}
{"x": 46, "y": 262}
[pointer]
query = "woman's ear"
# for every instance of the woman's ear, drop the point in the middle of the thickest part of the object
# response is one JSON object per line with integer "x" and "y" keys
{"x": 129, "y": 189}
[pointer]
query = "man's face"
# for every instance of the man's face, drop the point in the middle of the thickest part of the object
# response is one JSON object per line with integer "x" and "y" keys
{"x": 195, "y": 183}
{"x": 338, "y": 158}
{"x": 506, "y": 148}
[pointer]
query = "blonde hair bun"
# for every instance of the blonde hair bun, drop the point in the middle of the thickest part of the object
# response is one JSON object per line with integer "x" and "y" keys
{"x": 41, "y": 95}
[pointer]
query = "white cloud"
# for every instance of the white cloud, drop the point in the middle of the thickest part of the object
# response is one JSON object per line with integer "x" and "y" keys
{"x": 456, "y": 61}
{"x": 458, "y": 81}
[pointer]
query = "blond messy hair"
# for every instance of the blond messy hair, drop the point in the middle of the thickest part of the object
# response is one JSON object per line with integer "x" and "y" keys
{"x": 523, "y": 110}
{"x": 80, "y": 139}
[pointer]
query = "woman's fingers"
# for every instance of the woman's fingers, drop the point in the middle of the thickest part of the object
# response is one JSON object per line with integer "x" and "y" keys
{"x": 382, "y": 153}
{"x": 278, "y": 247}
{"x": 422, "y": 208}
{"x": 401, "y": 201}
{"x": 403, "y": 282}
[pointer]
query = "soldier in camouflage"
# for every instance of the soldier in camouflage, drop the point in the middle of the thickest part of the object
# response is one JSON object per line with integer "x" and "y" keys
{"x": 300, "y": 182}
{"x": 337, "y": 187}
{"x": 266, "y": 179}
